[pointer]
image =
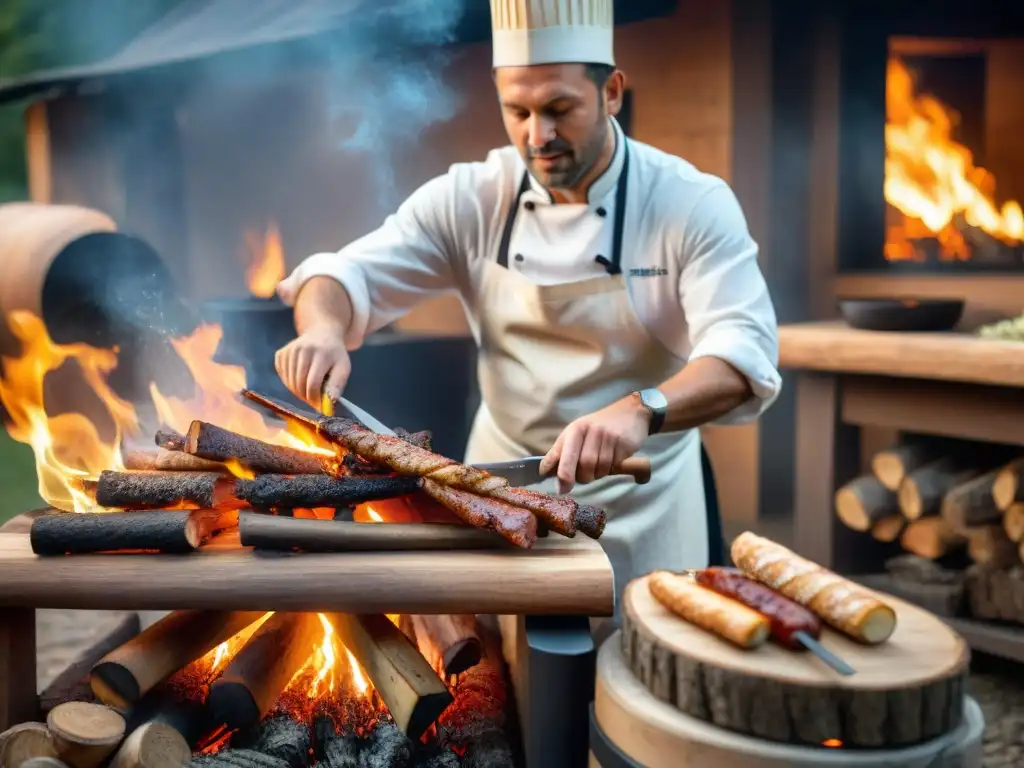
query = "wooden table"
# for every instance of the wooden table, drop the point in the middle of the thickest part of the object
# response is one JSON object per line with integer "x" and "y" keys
{"x": 559, "y": 578}
{"x": 947, "y": 384}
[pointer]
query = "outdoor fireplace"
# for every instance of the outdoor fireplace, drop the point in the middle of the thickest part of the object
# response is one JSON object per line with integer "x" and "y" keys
{"x": 930, "y": 180}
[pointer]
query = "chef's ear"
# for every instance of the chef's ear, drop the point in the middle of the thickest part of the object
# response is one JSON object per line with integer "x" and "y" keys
{"x": 614, "y": 89}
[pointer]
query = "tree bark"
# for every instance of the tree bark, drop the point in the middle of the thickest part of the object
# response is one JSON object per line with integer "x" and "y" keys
{"x": 209, "y": 441}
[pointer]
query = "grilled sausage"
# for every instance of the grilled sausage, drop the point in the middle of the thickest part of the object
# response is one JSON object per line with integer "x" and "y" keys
{"x": 787, "y": 617}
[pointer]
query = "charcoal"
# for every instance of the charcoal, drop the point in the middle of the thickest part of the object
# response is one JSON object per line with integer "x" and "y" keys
{"x": 324, "y": 729}
{"x": 441, "y": 759}
{"x": 237, "y": 758}
{"x": 341, "y": 752}
{"x": 280, "y": 737}
{"x": 386, "y": 747}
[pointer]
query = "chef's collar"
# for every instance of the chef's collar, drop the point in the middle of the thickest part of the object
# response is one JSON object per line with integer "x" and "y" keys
{"x": 603, "y": 184}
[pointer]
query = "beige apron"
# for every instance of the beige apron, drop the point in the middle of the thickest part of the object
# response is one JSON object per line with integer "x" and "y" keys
{"x": 550, "y": 354}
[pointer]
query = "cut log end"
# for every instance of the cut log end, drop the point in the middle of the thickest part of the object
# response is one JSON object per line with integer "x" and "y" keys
{"x": 892, "y": 465}
{"x": 1013, "y": 522}
{"x": 889, "y": 529}
{"x": 24, "y": 742}
{"x": 864, "y": 501}
{"x": 931, "y": 537}
{"x": 86, "y": 734}
{"x": 153, "y": 745}
{"x": 1007, "y": 488}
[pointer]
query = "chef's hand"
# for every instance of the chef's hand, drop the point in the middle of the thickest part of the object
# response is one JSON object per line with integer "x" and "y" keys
{"x": 314, "y": 364}
{"x": 589, "y": 447}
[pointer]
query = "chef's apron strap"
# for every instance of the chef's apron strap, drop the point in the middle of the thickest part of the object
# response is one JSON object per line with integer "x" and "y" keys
{"x": 716, "y": 540}
{"x": 615, "y": 268}
{"x": 510, "y": 221}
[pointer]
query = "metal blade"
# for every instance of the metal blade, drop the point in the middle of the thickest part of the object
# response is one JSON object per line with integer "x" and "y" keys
{"x": 519, "y": 473}
{"x": 824, "y": 654}
{"x": 366, "y": 419}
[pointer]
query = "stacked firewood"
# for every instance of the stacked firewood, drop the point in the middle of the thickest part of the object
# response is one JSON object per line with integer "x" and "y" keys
{"x": 941, "y": 504}
{"x": 157, "y": 698}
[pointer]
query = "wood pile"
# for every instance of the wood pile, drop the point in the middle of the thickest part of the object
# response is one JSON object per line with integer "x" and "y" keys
{"x": 945, "y": 508}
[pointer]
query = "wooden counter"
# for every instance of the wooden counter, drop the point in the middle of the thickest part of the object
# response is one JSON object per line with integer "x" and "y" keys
{"x": 838, "y": 348}
{"x": 558, "y": 576}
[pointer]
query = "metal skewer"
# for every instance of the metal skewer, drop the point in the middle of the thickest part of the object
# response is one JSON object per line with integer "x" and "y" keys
{"x": 824, "y": 654}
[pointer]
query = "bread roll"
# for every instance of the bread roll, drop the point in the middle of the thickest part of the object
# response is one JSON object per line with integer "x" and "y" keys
{"x": 709, "y": 610}
{"x": 839, "y": 602}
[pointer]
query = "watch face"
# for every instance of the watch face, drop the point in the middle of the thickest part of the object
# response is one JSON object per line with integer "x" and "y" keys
{"x": 654, "y": 399}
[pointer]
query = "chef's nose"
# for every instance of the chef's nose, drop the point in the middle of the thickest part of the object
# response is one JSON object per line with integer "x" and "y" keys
{"x": 542, "y": 131}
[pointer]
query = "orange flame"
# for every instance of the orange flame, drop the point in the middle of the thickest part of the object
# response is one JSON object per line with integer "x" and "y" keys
{"x": 931, "y": 179}
{"x": 832, "y": 743}
{"x": 67, "y": 447}
{"x": 266, "y": 262}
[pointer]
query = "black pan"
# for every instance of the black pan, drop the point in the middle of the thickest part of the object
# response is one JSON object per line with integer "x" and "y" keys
{"x": 902, "y": 314}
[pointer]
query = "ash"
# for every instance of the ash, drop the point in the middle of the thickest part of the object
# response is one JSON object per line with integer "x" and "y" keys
{"x": 282, "y": 742}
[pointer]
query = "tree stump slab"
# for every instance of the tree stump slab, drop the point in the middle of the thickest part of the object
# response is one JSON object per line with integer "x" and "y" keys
{"x": 908, "y": 690}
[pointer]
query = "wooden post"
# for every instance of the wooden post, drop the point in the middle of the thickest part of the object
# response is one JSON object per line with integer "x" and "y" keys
{"x": 17, "y": 666}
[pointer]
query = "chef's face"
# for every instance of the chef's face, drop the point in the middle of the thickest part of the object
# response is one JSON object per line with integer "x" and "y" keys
{"x": 556, "y": 116}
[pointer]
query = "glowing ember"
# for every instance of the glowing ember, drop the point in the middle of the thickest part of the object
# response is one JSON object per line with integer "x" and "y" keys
{"x": 832, "y": 743}
{"x": 67, "y": 447}
{"x": 931, "y": 179}
{"x": 266, "y": 262}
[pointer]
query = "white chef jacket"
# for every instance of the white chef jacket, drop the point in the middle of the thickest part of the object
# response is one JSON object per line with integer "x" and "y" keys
{"x": 688, "y": 257}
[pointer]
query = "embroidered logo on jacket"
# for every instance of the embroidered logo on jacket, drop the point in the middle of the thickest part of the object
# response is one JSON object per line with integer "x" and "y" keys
{"x": 648, "y": 272}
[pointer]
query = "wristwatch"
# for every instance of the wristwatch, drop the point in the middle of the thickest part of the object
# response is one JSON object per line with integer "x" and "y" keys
{"x": 657, "y": 404}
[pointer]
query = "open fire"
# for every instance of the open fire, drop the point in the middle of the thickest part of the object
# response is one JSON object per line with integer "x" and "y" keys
{"x": 298, "y": 689}
{"x": 940, "y": 204}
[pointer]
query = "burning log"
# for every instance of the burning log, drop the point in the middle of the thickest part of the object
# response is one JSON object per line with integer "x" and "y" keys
{"x": 152, "y": 745}
{"x": 894, "y": 464}
{"x": 413, "y": 693}
{"x": 989, "y": 545}
{"x": 170, "y": 440}
{"x": 931, "y": 537}
{"x": 971, "y": 503}
{"x": 209, "y": 441}
{"x": 284, "y": 534}
{"x": 248, "y": 688}
{"x": 922, "y": 491}
{"x": 312, "y": 491}
{"x": 863, "y": 502}
{"x": 888, "y": 529}
{"x": 514, "y": 523}
{"x": 24, "y": 742}
{"x": 68, "y": 533}
{"x": 1013, "y": 522}
{"x": 124, "y": 676}
{"x": 1008, "y": 489}
{"x": 280, "y": 737}
{"x": 163, "y": 460}
{"x": 163, "y": 490}
{"x": 85, "y": 734}
{"x": 449, "y": 643}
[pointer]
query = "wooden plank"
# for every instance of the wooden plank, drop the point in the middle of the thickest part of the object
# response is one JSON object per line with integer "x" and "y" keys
{"x": 558, "y": 576}
{"x": 17, "y": 666}
{"x": 835, "y": 347}
{"x": 966, "y": 411}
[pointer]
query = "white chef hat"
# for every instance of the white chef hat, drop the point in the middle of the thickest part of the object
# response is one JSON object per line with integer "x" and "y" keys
{"x": 527, "y": 32}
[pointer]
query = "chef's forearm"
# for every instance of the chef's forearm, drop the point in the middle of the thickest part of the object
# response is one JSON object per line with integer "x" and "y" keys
{"x": 323, "y": 302}
{"x": 705, "y": 390}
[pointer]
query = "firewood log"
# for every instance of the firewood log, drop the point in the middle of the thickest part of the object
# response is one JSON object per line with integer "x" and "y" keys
{"x": 863, "y": 502}
{"x": 175, "y": 707}
{"x": 169, "y": 461}
{"x": 971, "y": 503}
{"x": 164, "y": 490}
{"x": 892, "y": 465}
{"x": 989, "y": 545}
{"x": 1008, "y": 488}
{"x": 250, "y": 685}
{"x": 921, "y": 492}
{"x": 85, "y": 734}
{"x": 1013, "y": 522}
{"x": 68, "y": 533}
{"x": 889, "y": 528}
{"x": 413, "y": 693}
{"x": 285, "y": 534}
{"x": 154, "y": 745}
{"x": 450, "y": 644}
{"x": 170, "y": 440}
{"x": 931, "y": 537}
{"x": 125, "y": 675}
{"x": 209, "y": 441}
{"x": 25, "y": 741}
{"x": 311, "y": 491}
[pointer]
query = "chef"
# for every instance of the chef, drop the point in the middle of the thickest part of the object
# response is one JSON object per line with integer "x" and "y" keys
{"x": 613, "y": 290}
